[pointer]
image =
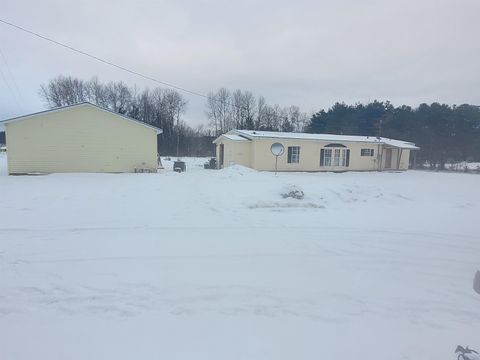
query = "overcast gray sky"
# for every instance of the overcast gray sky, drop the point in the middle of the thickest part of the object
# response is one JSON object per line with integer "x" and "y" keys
{"x": 306, "y": 53}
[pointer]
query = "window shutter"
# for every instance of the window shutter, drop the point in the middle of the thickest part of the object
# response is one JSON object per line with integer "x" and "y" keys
{"x": 347, "y": 160}
{"x": 289, "y": 154}
{"x": 322, "y": 157}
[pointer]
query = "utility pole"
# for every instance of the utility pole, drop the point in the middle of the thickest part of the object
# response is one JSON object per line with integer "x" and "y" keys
{"x": 178, "y": 134}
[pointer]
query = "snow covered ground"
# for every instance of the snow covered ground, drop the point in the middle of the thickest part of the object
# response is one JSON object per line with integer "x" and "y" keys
{"x": 217, "y": 265}
{"x": 463, "y": 166}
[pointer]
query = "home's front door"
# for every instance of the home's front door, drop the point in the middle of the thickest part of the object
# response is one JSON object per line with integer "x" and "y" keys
{"x": 388, "y": 158}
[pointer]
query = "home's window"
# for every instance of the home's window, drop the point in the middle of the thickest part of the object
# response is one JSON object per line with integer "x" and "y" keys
{"x": 336, "y": 157}
{"x": 341, "y": 157}
{"x": 293, "y": 154}
{"x": 366, "y": 152}
{"x": 326, "y": 157}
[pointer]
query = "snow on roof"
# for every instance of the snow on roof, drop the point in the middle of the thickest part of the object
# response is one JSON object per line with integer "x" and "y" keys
{"x": 250, "y": 134}
{"x": 86, "y": 103}
{"x": 235, "y": 137}
{"x": 399, "y": 143}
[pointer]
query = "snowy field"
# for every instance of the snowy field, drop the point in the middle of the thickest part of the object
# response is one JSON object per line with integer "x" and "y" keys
{"x": 217, "y": 265}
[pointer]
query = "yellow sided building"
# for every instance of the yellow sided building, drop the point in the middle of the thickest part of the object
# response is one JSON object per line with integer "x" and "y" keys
{"x": 79, "y": 138}
{"x": 312, "y": 152}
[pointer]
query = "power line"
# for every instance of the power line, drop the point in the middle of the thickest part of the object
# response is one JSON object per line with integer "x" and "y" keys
{"x": 102, "y": 60}
{"x": 8, "y": 86}
{"x": 17, "y": 94}
{"x": 107, "y": 62}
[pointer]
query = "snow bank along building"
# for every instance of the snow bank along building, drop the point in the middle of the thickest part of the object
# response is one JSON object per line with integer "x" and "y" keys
{"x": 312, "y": 152}
{"x": 79, "y": 138}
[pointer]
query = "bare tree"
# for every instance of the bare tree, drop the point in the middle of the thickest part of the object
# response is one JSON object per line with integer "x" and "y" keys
{"x": 249, "y": 106}
{"x": 261, "y": 113}
{"x": 213, "y": 113}
{"x": 119, "y": 97}
{"x": 297, "y": 118}
{"x": 63, "y": 91}
{"x": 219, "y": 110}
{"x": 96, "y": 92}
{"x": 238, "y": 116}
{"x": 247, "y": 112}
{"x": 224, "y": 100}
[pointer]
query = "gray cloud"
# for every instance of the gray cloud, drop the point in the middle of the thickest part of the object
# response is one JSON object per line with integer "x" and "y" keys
{"x": 308, "y": 53}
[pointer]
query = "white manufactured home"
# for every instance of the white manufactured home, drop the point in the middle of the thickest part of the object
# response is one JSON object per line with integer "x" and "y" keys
{"x": 79, "y": 138}
{"x": 312, "y": 152}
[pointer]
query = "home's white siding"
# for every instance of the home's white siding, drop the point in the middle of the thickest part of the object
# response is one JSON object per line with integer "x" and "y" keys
{"x": 79, "y": 139}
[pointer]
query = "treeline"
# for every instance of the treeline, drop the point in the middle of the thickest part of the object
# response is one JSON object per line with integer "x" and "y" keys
{"x": 446, "y": 134}
{"x": 227, "y": 110}
{"x": 160, "y": 107}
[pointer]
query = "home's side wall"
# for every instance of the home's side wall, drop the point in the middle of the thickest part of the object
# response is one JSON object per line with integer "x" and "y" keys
{"x": 310, "y": 156}
{"x": 217, "y": 154}
{"x": 79, "y": 139}
{"x": 404, "y": 159}
{"x": 235, "y": 152}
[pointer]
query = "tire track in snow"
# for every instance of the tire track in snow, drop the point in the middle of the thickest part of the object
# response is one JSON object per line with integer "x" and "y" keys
{"x": 234, "y": 227}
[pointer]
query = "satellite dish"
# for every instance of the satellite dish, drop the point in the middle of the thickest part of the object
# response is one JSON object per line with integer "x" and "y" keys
{"x": 476, "y": 282}
{"x": 277, "y": 149}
